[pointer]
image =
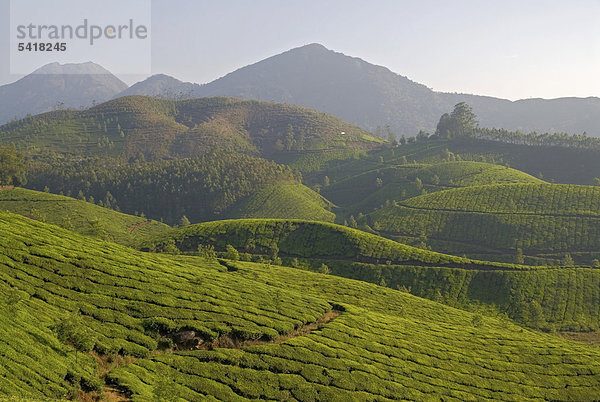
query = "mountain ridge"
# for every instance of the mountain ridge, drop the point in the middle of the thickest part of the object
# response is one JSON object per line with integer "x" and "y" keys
{"x": 383, "y": 97}
{"x": 56, "y": 86}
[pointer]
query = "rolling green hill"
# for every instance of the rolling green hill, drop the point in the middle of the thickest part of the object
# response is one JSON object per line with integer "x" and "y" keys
{"x": 456, "y": 281}
{"x": 568, "y": 164}
{"x": 538, "y": 218}
{"x": 285, "y": 201}
{"x": 366, "y": 191}
{"x": 202, "y": 188}
{"x": 312, "y": 240}
{"x": 376, "y": 343}
{"x": 467, "y": 173}
{"x": 128, "y": 127}
{"x": 80, "y": 216}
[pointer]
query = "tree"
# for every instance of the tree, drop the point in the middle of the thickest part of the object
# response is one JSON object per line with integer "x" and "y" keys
{"x": 568, "y": 261}
{"x": 464, "y": 119}
{"x": 536, "y": 314}
{"x": 12, "y": 168}
{"x": 231, "y": 253}
{"x": 352, "y": 222}
{"x": 445, "y": 126}
{"x": 391, "y": 137}
{"x": 170, "y": 247}
{"x": 289, "y": 140}
{"x": 207, "y": 251}
{"x": 418, "y": 183}
{"x": 422, "y": 135}
{"x": 324, "y": 269}
{"x": 461, "y": 122}
{"x": 184, "y": 221}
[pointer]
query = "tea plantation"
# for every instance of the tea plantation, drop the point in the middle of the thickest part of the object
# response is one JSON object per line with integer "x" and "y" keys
{"x": 541, "y": 219}
{"x": 80, "y": 216}
{"x": 385, "y": 344}
{"x": 540, "y": 297}
{"x": 289, "y": 201}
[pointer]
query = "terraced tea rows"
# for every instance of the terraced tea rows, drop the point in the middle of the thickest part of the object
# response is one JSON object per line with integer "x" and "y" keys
{"x": 80, "y": 216}
{"x": 393, "y": 347}
{"x": 538, "y": 218}
{"x": 285, "y": 201}
{"x": 465, "y": 173}
{"x": 387, "y": 344}
{"x": 563, "y": 298}
{"x": 129, "y": 301}
{"x": 305, "y": 239}
{"x": 368, "y": 190}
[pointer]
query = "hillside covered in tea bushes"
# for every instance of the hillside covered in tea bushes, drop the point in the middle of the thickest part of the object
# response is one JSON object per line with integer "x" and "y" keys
{"x": 128, "y": 307}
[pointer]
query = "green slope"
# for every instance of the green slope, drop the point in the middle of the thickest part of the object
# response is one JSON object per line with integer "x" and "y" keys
{"x": 371, "y": 189}
{"x": 289, "y": 201}
{"x": 313, "y": 240}
{"x": 80, "y": 216}
{"x": 467, "y": 173}
{"x": 539, "y": 218}
{"x": 202, "y": 188}
{"x": 127, "y": 127}
{"x": 563, "y": 298}
{"x": 385, "y": 344}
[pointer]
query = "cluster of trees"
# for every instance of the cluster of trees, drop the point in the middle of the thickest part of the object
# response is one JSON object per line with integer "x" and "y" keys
{"x": 580, "y": 141}
{"x": 201, "y": 188}
{"x": 12, "y": 168}
{"x": 462, "y": 123}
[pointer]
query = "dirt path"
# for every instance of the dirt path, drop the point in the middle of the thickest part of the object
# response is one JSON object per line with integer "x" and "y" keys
{"x": 137, "y": 225}
{"x": 228, "y": 342}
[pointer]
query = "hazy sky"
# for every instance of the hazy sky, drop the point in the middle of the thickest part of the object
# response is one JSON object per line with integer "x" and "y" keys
{"x": 504, "y": 48}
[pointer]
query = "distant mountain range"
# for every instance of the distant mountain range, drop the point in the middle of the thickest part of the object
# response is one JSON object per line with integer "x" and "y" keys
{"x": 162, "y": 86}
{"x": 55, "y": 86}
{"x": 349, "y": 88}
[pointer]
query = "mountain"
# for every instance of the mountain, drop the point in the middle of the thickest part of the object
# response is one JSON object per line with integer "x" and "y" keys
{"x": 570, "y": 115}
{"x": 369, "y": 95}
{"x": 347, "y": 87}
{"x": 58, "y": 86}
{"x": 161, "y": 86}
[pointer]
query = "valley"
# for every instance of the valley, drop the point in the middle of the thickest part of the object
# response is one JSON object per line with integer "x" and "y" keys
{"x": 193, "y": 242}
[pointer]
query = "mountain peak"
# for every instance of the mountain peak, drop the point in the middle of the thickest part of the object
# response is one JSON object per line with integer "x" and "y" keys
{"x": 312, "y": 46}
{"x": 72, "y": 68}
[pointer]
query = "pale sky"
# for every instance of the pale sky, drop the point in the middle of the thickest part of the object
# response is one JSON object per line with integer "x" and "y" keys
{"x": 503, "y": 48}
